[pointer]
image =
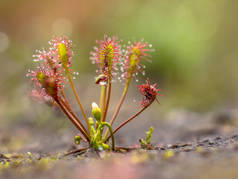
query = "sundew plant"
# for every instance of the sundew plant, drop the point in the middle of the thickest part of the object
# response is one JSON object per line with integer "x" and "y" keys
{"x": 115, "y": 63}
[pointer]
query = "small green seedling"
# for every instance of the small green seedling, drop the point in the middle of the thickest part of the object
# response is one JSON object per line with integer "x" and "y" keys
{"x": 146, "y": 144}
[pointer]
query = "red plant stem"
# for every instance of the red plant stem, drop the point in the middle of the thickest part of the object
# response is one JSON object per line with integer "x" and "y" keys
{"x": 130, "y": 119}
{"x": 157, "y": 100}
{"x": 76, "y": 151}
{"x": 77, "y": 97}
{"x": 120, "y": 104}
{"x": 72, "y": 119}
{"x": 108, "y": 97}
{"x": 103, "y": 98}
{"x": 73, "y": 114}
{"x": 65, "y": 99}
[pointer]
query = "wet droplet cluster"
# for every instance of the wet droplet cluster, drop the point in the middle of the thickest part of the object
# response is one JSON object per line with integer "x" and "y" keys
{"x": 50, "y": 66}
{"x": 127, "y": 59}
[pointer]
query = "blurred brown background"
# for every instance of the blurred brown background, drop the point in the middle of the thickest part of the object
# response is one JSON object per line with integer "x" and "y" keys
{"x": 195, "y": 42}
{"x": 194, "y": 62}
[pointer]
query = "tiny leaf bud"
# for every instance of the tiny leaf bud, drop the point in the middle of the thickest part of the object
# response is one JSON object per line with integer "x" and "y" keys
{"x": 101, "y": 79}
{"x": 105, "y": 146}
{"x": 96, "y": 111}
{"x": 90, "y": 121}
{"x": 77, "y": 139}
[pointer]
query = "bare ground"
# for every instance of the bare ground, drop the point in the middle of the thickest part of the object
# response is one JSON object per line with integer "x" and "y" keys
{"x": 186, "y": 145}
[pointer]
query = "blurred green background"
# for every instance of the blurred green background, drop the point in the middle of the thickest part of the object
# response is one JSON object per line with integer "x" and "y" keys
{"x": 195, "y": 42}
